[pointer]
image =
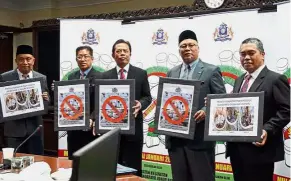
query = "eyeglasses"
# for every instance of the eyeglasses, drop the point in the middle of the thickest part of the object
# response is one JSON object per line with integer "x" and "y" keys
{"x": 80, "y": 57}
{"x": 184, "y": 46}
{"x": 21, "y": 60}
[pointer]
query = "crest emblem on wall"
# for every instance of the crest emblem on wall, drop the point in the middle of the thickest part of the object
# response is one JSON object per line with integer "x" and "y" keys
{"x": 160, "y": 37}
{"x": 223, "y": 33}
{"x": 90, "y": 37}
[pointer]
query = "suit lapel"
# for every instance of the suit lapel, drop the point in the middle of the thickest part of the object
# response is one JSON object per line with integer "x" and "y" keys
{"x": 15, "y": 75}
{"x": 76, "y": 75}
{"x": 34, "y": 75}
{"x": 236, "y": 87}
{"x": 89, "y": 75}
{"x": 198, "y": 70}
{"x": 177, "y": 72}
{"x": 130, "y": 74}
{"x": 113, "y": 74}
{"x": 259, "y": 80}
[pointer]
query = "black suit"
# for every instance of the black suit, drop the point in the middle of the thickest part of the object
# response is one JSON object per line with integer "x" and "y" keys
{"x": 1, "y": 128}
{"x": 78, "y": 139}
{"x": 131, "y": 146}
{"x": 17, "y": 131}
{"x": 250, "y": 162}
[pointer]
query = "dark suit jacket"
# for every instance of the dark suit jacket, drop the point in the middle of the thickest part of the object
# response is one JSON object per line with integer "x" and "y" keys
{"x": 1, "y": 128}
{"x": 92, "y": 75}
{"x": 213, "y": 84}
{"x": 276, "y": 116}
{"x": 142, "y": 94}
{"x": 22, "y": 127}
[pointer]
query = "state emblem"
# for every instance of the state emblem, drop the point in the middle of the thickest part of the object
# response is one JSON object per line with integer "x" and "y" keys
{"x": 90, "y": 37}
{"x": 160, "y": 37}
{"x": 223, "y": 33}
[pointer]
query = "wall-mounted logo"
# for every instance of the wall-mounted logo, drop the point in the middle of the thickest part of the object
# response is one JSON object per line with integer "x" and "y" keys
{"x": 90, "y": 37}
{"x": 160, "y": 37}
{"x": 223, "y": 33}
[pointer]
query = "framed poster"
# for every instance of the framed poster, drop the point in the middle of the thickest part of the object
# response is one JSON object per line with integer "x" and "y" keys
{"x": 177, "y": 103}
{"x": 71, "y": 105}
{"x": 236, "y": 117}
{"x": 21, "y": 99}
{"x": 114, "y": 100}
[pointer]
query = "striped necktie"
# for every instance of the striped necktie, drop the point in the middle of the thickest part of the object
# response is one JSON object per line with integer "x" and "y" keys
{"x": 245, "y": 86}
{"x": 122, "y": 74}
{"x": 83, "y": 75}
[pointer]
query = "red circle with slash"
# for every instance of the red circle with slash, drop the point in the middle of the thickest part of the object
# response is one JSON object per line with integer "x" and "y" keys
{"x": 121, "y": 115}
{"x": 181, "y": 118}
{"x": 77, "y": 112}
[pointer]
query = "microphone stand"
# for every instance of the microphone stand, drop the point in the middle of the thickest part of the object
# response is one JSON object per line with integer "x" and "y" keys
{"x": 33, "y": 133}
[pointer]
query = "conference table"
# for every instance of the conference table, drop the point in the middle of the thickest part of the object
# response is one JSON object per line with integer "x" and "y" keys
{"x": 56, "y": 163}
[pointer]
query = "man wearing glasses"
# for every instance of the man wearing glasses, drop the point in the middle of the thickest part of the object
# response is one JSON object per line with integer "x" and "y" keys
{"x": 193, "y": 160}
{"x": 84, "y": 58}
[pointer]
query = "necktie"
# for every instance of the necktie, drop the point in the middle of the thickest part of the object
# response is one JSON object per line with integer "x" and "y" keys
{"x": 82, "y": 76}
{"x": 245, "y": 86}
{"x": 122, "y": 74}
{"x": 25, "y": 76}
{"x": 186, "y": 72}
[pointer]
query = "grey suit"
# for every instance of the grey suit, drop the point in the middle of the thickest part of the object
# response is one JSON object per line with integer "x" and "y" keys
{"x": 17, "y": 130}
{"x": 197, "y": 154}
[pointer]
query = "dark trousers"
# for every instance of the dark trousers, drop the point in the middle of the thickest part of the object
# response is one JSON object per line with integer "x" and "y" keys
{"x": 192, "y": 165}
{"x": 250, "y": 172}
{"x": 130, "y": 154}
{"x": 2, "y": 141}
{"x": 77, "y": 140}
{"x": 33, "y": 146}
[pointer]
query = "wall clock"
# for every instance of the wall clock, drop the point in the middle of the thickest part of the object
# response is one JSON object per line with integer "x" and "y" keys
{"x": 213, "y": 4}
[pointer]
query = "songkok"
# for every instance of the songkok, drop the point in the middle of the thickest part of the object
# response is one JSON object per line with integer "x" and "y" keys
{"x": 24, "y": 49}
{"x": 187, "y": 34}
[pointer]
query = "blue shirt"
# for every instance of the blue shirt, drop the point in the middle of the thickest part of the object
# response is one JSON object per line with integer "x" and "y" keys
{"x": 86, "y": 72}
{"x": 192, "y": 65}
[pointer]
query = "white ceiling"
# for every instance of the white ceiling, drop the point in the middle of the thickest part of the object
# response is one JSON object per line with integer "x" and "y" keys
{"x": 26, "y": 5}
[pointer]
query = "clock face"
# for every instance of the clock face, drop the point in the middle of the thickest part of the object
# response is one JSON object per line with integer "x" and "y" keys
{"x": 214, "y": 3}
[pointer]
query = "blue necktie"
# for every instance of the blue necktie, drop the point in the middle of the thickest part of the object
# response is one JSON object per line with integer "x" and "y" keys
{"x": 186, "y": 72}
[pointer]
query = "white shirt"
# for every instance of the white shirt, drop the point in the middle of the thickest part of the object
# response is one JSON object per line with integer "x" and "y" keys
{"x": 254, "y": 75}
{"x": 125, "y": 71}
{"x": 30, "y": 75}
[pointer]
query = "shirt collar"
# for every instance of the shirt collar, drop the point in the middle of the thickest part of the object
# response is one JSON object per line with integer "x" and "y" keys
{"x": 86, "y": 71}
{"x": 126, "y": 68}
{"x": 192, "y": 64}
{"x": 30, "y": 75}
{"x": 256, "y": 73}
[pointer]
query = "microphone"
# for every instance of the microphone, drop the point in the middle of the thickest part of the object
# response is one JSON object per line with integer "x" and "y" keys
{"x": 35, "y": 131}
